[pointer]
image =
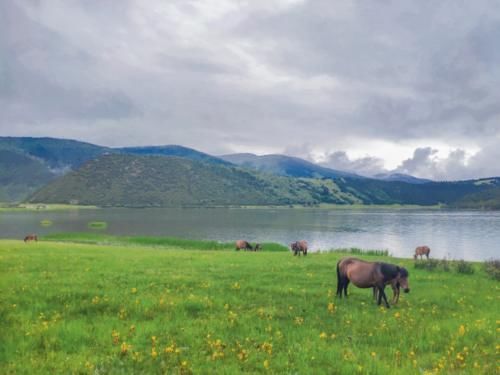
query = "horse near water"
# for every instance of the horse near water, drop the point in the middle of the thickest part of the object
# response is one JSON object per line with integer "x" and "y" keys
{"x": 244, "y": 245}
{"x": 31, "y": 237}
{"x": 298, "y": 247}
{"x": 421, "y": 251}
{"x": 375, "y": 275}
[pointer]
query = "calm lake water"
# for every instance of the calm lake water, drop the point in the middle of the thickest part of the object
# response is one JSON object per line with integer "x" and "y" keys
{"x": 469, "y": 235}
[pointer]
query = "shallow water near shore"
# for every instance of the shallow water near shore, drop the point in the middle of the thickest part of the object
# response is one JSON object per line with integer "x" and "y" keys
{"x": 471, "y": 235}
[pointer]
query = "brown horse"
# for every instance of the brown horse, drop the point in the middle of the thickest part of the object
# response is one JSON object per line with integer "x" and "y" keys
{"x": 370, "y": 275}
{"x": 31, "y": 237}
{"x": 421, "y": 251}
{"x": 299, "y": 247}
{"x": 244, "y": 245}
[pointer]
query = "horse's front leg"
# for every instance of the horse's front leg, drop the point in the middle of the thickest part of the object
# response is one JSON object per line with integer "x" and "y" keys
{"x": 395, "y": 294}
{"x": 381, "y": 294}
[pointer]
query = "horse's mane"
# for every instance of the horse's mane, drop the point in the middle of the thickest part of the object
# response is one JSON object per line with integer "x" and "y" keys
{"x": 403, "y": 272}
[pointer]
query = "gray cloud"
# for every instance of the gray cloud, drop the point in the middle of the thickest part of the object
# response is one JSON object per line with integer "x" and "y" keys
{"x": 261, "y": 76}
{"x": 457, "y": 165}
{"x": 365, "y": 166}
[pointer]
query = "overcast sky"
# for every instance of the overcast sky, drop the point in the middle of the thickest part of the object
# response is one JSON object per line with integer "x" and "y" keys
{"x": 368, "y": 86}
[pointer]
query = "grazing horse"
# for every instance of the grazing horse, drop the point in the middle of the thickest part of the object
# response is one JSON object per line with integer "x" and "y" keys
{"x": 421, "y": 251}
{"x": 244, "y": 245}
{"x": 31, "y": 237}
{"x": 370, "y": 275}
{"x": 299, "y": 247}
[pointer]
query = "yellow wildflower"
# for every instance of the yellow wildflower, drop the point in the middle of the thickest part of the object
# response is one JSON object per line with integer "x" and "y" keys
{"x": 331, "y": 307}
{"x": 124, "y": 348}
{"x": 154, "y": 353}
{"x": 266, "y": 364}
{"x": 323, "y": 335}
{"x": 461, "y": 330}
{"x": 299, "y": 320}
{"x": 133, "y": 290}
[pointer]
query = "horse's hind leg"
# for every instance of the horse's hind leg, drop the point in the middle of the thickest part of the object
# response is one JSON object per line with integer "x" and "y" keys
{"x": 346, "y": 284}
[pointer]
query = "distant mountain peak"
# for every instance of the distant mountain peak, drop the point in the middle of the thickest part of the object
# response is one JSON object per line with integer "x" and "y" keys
{"x": 401, "y": 177}
{"x": 285, "y": 165}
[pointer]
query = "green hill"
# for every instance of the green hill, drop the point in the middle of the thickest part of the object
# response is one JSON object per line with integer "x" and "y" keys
{"x": 28, "y": 163}
{"x": 144, "y": 181}
{"x": 139, "y": 181}
{"x": 432, "y": 193}
{"x": 489, "y": 199}
{"x": 173, "y": 150}
{"x": 21, "y": 175}
{"x": 56, "y": 154}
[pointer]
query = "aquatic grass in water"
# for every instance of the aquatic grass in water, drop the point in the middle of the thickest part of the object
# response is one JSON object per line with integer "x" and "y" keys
{"x": 97, "y": 225}
{"x": 46, "y": 223}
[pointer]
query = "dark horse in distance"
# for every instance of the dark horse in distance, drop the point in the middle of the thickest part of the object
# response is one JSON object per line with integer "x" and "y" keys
{"x": 370, "y": 275}
{"x": 299, "y": 247}
{"x": 31, "y": 237}
{"x": 244, "y": 245}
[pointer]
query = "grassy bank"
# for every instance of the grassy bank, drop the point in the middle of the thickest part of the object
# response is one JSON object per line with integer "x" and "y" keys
{"x": 26, "y": 207}
{"x": 109, "y": 308}
{"x": 168, "y": 242}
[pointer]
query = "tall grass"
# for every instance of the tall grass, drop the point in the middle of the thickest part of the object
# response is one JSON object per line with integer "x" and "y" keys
{"x": 357, "y": 251}
{"x": 492, "y": 268}
{"x": 459, "y": 266}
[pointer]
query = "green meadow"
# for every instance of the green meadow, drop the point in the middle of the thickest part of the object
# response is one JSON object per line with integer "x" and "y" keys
{"x": 87, "y": 304}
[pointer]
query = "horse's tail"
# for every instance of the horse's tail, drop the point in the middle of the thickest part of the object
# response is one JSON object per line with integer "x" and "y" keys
{"x": 339, "y": 280}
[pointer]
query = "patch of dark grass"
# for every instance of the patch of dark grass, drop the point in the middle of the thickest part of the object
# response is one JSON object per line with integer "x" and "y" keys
{"x": 492, "y": 268}
{"x": 461, "y": 266}
{"x": 358, "y": 251}
{"x": 429, "y": 264}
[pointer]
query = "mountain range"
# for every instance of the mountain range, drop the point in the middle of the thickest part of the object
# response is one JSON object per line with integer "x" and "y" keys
{"x": 66, "y": 171}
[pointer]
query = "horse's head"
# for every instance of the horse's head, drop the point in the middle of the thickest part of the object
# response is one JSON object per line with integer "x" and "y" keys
{"x": 257, "y": 247}
{"x": 403, "y": 279}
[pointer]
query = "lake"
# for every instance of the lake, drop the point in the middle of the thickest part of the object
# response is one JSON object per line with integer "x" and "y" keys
{"x": 471, "y": 235}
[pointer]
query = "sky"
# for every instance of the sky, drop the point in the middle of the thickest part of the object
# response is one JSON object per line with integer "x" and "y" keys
{"x": 365, "y": 86}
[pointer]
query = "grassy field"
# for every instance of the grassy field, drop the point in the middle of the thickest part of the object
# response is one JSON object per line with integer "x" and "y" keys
{"x": 154, "y": 308}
